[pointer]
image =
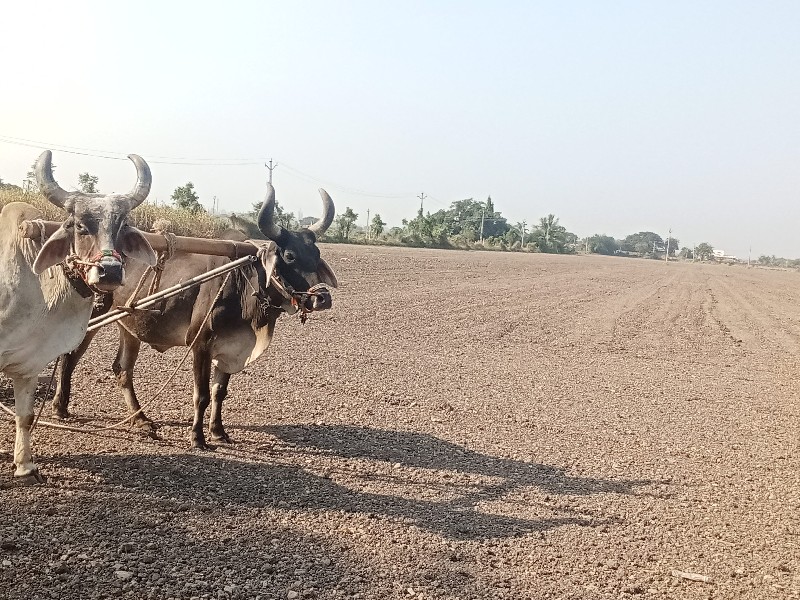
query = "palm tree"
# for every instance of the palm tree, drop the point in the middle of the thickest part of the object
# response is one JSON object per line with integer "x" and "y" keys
{"x": 550, "y": 235}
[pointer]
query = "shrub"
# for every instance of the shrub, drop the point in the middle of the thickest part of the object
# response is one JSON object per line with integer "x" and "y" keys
{"x": 183, "y": 222}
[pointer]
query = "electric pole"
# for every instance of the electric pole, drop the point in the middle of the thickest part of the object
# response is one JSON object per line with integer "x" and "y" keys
{"x": 669, "y": 236}
{"x": 270, "y": 166}
{"x": 421, "y": 199}
{"x": 483, "y": 216}
{"x": 368, "y": 231}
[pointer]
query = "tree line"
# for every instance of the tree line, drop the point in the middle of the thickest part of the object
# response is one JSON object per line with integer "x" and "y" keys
{"x": 467, "y": 223}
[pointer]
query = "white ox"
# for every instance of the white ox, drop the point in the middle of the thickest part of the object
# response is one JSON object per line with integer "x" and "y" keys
{"x": 44, "y": 311}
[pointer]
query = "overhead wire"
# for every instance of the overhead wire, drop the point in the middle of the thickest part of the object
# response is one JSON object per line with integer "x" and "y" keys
{"x": 111, "y": 155}
{"x": 205, "y": 162}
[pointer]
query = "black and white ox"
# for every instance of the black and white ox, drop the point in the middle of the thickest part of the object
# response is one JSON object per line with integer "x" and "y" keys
{"x": 45, "y": 308}
{"x": 232, "y": 319}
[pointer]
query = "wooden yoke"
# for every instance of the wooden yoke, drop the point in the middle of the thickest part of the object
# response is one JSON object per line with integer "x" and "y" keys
{"x": 229, "y": 248}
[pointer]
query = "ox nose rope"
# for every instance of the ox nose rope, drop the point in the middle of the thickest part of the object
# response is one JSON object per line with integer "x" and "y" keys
{"x": 297, "y": 299}
{"x": 76, "y": 269}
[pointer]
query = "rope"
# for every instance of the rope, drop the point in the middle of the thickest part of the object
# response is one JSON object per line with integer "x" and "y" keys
{"x": 46, "y": 395}
{"x": 158, "y": 393}
{"x": 139, "y": 285}
{"x": 157, "y": 270}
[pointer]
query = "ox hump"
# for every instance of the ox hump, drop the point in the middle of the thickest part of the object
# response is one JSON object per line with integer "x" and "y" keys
{"x": 13, "y": 214}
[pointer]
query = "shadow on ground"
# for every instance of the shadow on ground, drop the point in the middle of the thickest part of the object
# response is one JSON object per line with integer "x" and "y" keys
{"x": 213, "y": 478}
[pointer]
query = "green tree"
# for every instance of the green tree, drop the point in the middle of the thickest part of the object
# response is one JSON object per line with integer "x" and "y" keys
{"x": 686, "y": 253}
{"x": 550, "y": 236}
{"x": 88, "y": 183}
{"x": 704, "y": 251}
{"x": 283, "y": 217}
{"x": 345, "y": 222}
{"x": 280, "y": 216}
{"x": 29, "y": 184}
{"x": 602, "y": 244}
{"x": 186, "y": 198}
{"x": 644, "y": 243}
{"x": 377, "y": 225}
{"x": 769, "y": 261}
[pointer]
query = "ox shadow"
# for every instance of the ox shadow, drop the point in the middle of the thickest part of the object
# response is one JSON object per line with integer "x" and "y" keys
{"x": 425, "y": 451}
{"x": 210, "y": 482}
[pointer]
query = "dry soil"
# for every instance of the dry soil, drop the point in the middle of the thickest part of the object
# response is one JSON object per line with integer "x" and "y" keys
{"x": 460, "y": 425}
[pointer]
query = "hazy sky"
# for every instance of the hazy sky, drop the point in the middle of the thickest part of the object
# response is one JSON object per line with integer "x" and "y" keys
{"x": 615, "y": 116}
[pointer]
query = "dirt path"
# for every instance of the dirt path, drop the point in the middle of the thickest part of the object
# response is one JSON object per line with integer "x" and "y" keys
{"x": 460, "y": 425}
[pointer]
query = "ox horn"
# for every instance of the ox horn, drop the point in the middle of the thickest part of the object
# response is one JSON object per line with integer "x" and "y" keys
{"x": 328, "y": 211}
{"x": 144, "y": 180}
{"x": 47, "y": 184}
{"x": 265, "y": 223}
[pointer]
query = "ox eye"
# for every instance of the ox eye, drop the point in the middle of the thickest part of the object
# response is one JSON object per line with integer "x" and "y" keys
{"x": 289, "y": 256}
{"x": 81, "y": 228}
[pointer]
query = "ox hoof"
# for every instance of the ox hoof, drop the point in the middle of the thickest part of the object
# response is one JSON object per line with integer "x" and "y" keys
{"x": 148, "y": 428}
{"x": 32, "y": 478}
{"x": 145, "y": 424}
{"x": 202, "y": 446}
{"x": 221, "y": 438}
{"x": 61, "y": 412}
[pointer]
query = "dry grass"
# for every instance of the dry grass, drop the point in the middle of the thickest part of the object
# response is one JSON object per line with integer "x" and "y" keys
{"x": 143, "y": 217}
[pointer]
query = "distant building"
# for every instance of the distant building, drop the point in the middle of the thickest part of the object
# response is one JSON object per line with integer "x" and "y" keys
{"x": 721, "y": 256}
{"x": 306, "y": 221}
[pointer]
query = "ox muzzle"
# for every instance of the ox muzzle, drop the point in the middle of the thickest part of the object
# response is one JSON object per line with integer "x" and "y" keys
{"x": 105, "y": 272}
{"x": 317, "y": 299}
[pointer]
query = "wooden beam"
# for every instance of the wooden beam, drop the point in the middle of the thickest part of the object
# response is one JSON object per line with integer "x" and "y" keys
{"x": 229, "y": 248}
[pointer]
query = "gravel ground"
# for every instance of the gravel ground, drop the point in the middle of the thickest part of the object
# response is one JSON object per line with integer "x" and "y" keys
{"x": 460, "y": 425}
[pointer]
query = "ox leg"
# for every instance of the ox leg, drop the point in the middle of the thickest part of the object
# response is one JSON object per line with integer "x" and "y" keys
{"x": 24, "y": 390}
{"x": 64, "y": 384}
{"x": 202, "y": 395}
{"x": 127, "y": 354}
{"x": 219, "y": 391}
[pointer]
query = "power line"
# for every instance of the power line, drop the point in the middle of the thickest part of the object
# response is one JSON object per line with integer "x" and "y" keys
{"x": 201, "y": 162}
{"x": 110, "y": 154}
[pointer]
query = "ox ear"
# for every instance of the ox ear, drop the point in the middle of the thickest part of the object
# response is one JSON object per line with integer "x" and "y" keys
{"x": 326, "y": 274}
{"x": 133, "y": 244}
{"x": 54, "y": 251}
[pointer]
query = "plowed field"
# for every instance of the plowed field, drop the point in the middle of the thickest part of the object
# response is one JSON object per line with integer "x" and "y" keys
{"x": 460, "y": 425}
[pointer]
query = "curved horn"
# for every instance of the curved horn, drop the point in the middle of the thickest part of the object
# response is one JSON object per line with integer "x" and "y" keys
{"x": 265, "y": 223}
{"x": 328, "y": 211}
{"x": 144, "y": 180}
{"x": 47, "y": 184}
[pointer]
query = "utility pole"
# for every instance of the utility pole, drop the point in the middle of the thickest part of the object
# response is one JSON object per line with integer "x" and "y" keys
{"x": 368, "y": 231}
{"x": 421, "y": 199}
{"x": 749, "y": 251}
{"x": 270, "y": 166}
{"x": 483, "y": 216}
{"x": 669, "y": 236}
